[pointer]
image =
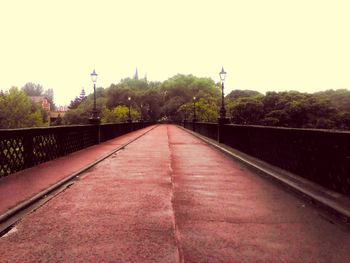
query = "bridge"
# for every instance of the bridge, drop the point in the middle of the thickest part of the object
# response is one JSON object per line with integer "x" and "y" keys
{"x": 165, "y": 193}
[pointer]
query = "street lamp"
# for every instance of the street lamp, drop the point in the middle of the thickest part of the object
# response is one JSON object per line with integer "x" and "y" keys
{"x": 164, "y": 99}
{"x": 194, "y": 109}
{"x": 129, "y": 117}
{"x": 222, "y": 118}
{"x": 94, "y": 119}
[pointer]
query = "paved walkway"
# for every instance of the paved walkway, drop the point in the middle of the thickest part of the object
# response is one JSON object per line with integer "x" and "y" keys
{"x": 26, "y": 184}
{"x": 169, "y": 197}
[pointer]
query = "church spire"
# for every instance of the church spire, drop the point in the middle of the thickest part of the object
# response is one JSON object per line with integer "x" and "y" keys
{"x": 136, "y": 76}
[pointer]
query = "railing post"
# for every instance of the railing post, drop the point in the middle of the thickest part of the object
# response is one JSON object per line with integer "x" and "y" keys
{"x": 28, "y": 147}
{"x": 96, "y": 129}
{"x": 98, "y": 133}
{"x": 221, "y": 128}
{"x": 96, "y": 121}
{"x": 62, "y": 149}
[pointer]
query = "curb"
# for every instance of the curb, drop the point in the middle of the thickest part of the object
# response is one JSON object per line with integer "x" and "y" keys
{"x": 25, "y": 204}
{"x": 334, "y": 202}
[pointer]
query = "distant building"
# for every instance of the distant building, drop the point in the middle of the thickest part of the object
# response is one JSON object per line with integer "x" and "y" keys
{"x": 45, "y": 104}
{"x": 136, "y": 76}
{"x": 43, "y": 101}
{"x": 61, "y": 108}
{"x": 57, "y": 115}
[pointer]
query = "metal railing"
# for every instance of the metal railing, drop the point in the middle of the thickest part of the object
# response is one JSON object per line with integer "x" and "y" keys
{"x": 322, "y": 156}
{"x": 24, "y": 148}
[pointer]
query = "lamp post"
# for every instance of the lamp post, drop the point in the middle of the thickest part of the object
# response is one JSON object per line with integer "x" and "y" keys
{"x": 194, "y": 109}
{"x": 194, "y": 115}
{"x": 222, "y": 118}
{"x": 129, "y": 116}
{"x": 94, "y": 119}
{"x": 164, "y": 99}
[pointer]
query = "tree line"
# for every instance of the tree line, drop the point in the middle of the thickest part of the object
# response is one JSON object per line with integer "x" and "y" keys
{"x": 17, "y": 110}
{"x": 171, "y": 100}
{"x": 322, "y": 110}
{"x": 175, "y": 100}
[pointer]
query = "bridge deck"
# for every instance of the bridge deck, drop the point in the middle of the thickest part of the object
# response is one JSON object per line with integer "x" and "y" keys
{"x": 169, "y": 197}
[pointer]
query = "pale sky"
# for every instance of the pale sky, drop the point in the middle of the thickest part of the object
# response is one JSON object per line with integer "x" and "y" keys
{"x": 264, "y": 45}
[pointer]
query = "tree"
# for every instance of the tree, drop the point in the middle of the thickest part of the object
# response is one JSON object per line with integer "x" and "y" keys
{"x": 152, "y": 102}
{"x": 18, "y": 111}
{"x": 173, "y": 100}
{"x": 288, "y": 109}
{"x": 206, "y": 111}
{"x": 82, "y": 113}
{"x": 235, "y": 94}
{"x": 32, "y": 89}
{"x": 180, "y": 90}
{"x": 74, "y": 103}
{"x": 76, "y": 116}
{"x": 339, "y": 99}
{"x": 247, "y": 110}
{"x": 78, "y": 100}
{"x": 82, "y": 95}
{"x": 49, "y": 94}
{"x": 119, "y": 114}
{"x": 342, "y": 120}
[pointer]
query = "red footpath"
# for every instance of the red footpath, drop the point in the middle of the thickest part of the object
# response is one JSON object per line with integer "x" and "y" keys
{"x": 19, "y": 187}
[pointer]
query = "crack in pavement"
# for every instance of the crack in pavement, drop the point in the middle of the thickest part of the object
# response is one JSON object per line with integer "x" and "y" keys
{"x": 176, "y": 230}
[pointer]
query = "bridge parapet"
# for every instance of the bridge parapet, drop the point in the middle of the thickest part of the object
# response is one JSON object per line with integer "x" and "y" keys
{"x": 24, "y": 148}
{"x": 322, "y": 156}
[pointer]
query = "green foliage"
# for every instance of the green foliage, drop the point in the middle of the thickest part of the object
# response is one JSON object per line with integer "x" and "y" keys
{"x": 206, "y": 110}
{"x": 119, "y": 114}
{"x": 50, "y": 97}
{"x": 78, "y": 100}
{"x": 154, "y": 100}
{"x": 173, "y": 100}
{"x": 179, "y": 91}
{"x": 339, "y": 98}
{"x": 76, "y": 116}
{"x": 235, "y": 94}
{"x": 32, "y": 89}
{"x": 82, "y": 113}
{"x": 18, "y": 111}
{"x": 293, "y": 109}
{"x": 247, "y": 110}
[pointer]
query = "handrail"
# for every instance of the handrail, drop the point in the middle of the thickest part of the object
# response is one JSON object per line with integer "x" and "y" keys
{"x": 322, "y": 156}
{"x": 27, "y": 147}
